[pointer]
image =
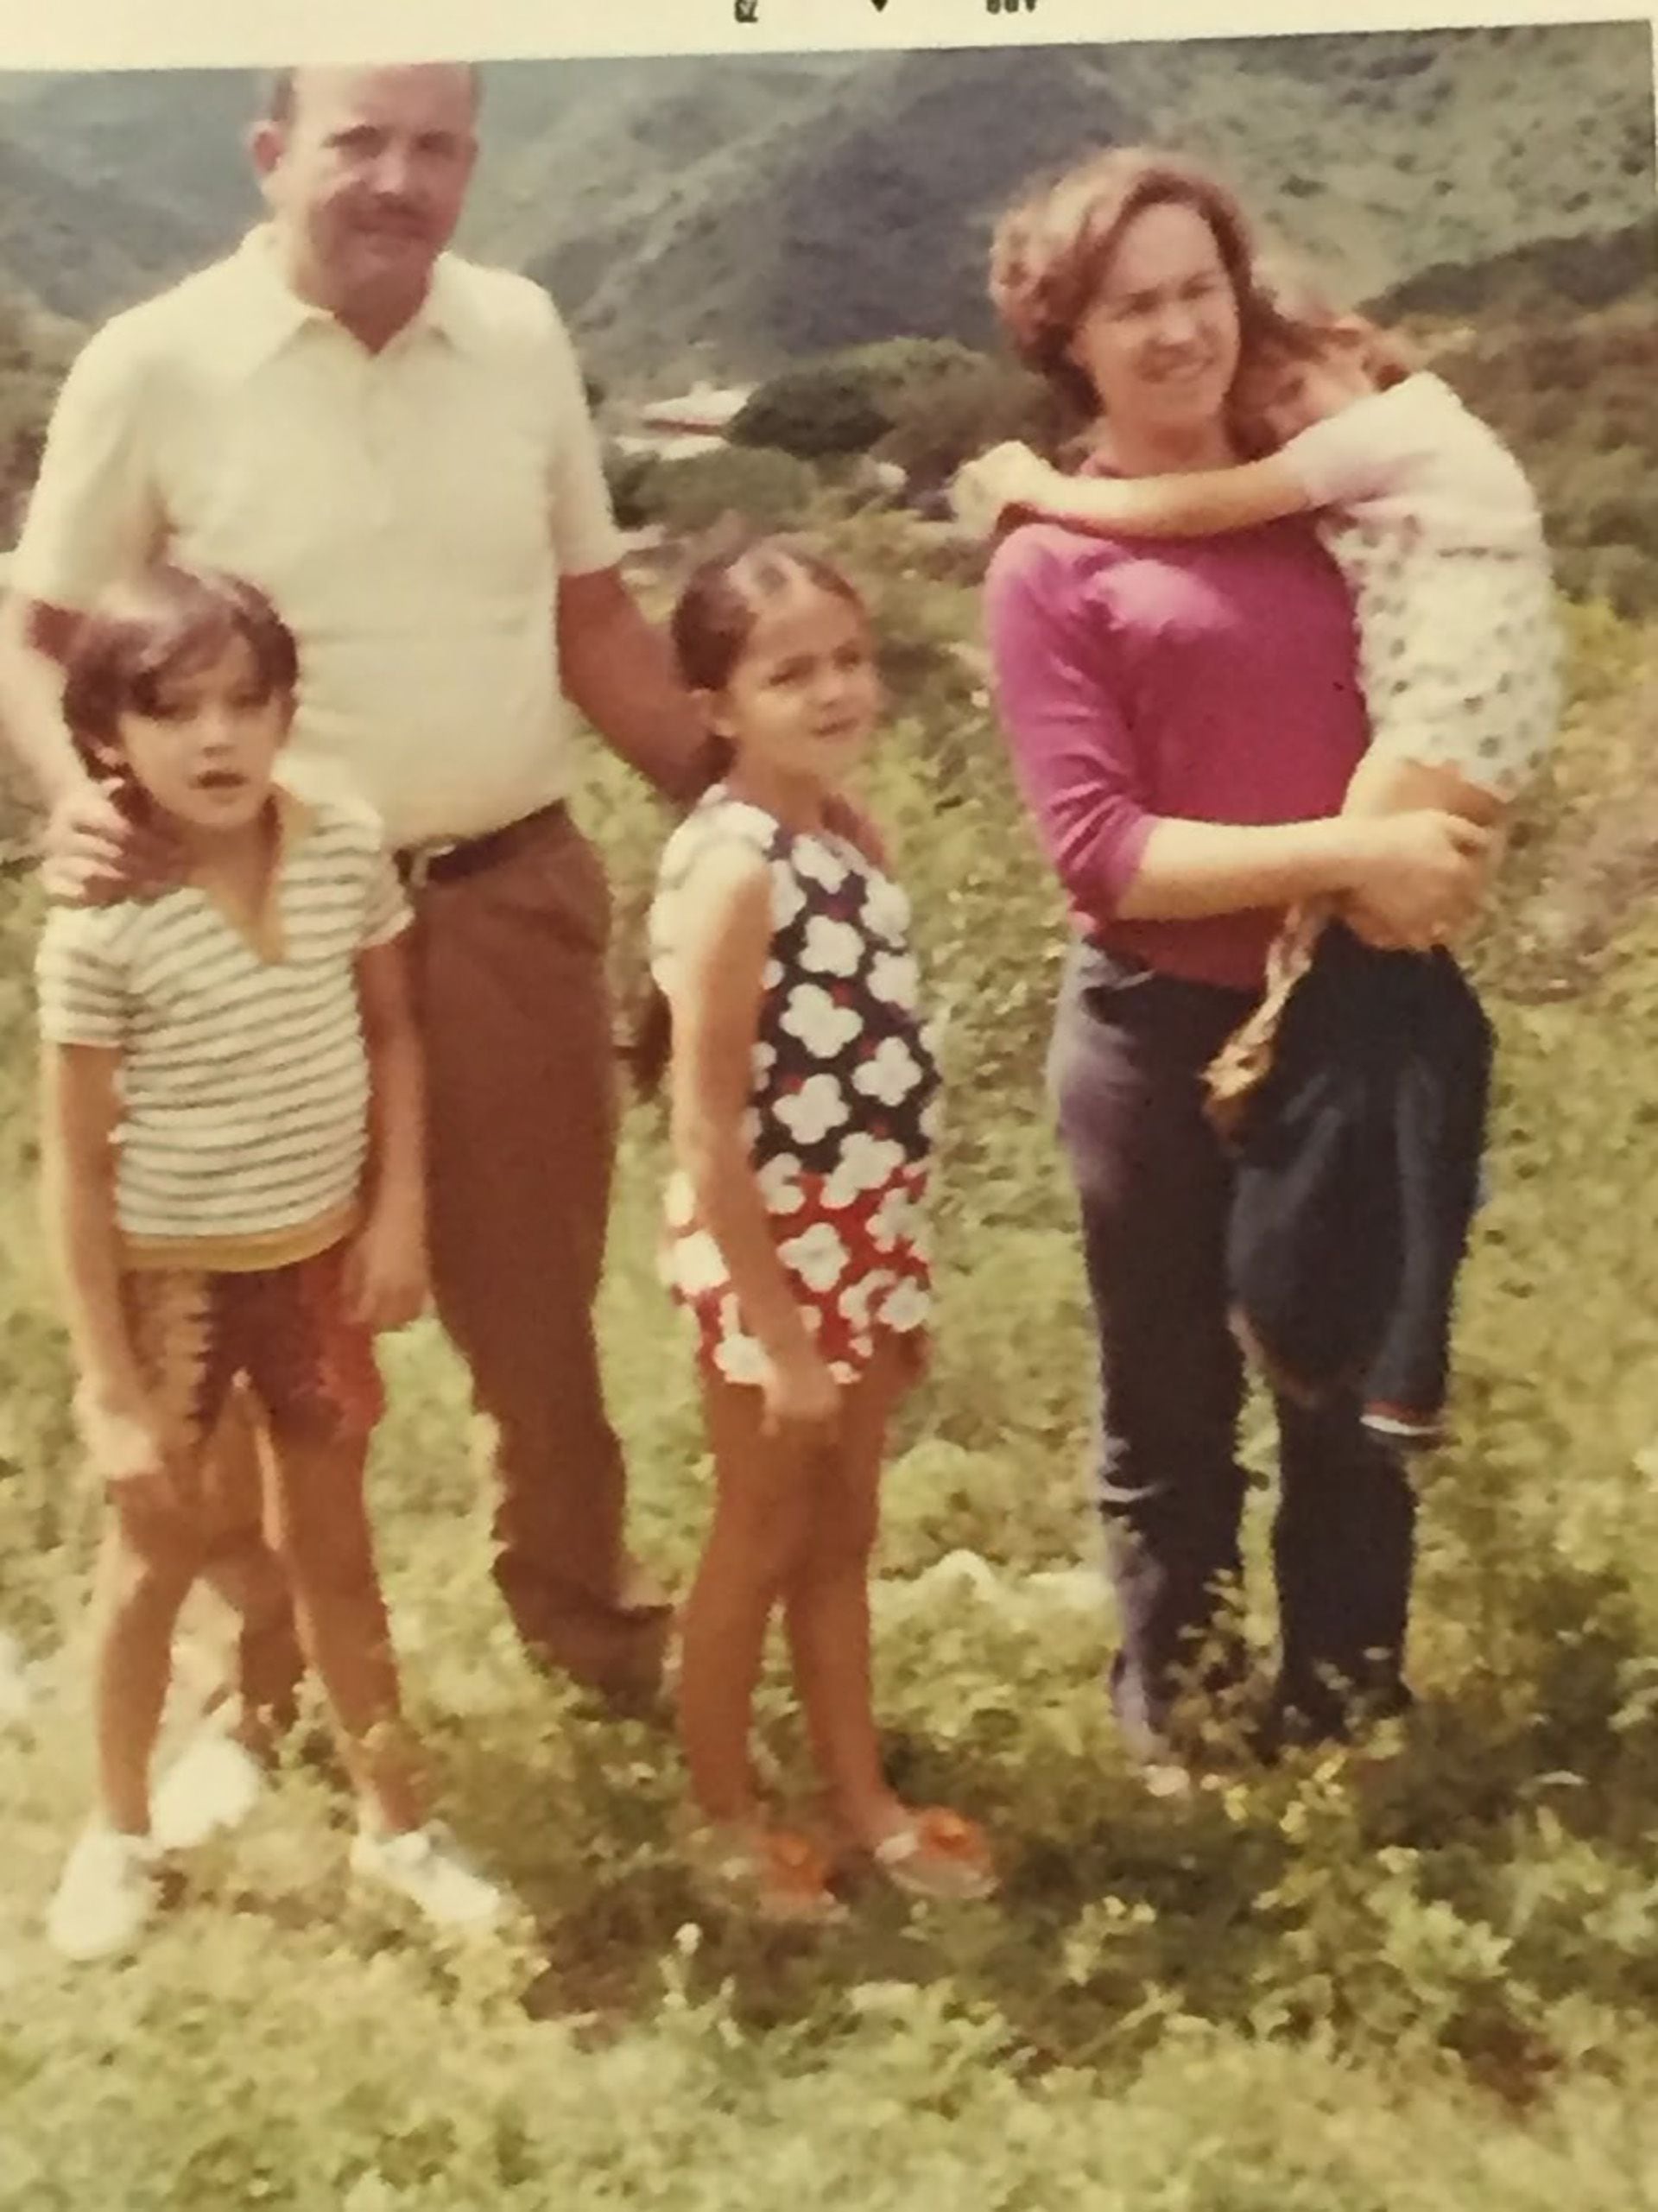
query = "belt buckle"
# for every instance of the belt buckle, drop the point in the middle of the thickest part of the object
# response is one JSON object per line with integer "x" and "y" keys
{"x": 417, "y": 862}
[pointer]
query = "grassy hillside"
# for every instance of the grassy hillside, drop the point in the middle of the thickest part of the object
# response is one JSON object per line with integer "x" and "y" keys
{"x": 1416, "y": 1979}
{"x": 1419, "y": 1979}
{"x": 732, "y": 213}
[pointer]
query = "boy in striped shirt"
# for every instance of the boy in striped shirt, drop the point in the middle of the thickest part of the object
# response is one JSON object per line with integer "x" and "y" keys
{"x": 232, "y": 1137}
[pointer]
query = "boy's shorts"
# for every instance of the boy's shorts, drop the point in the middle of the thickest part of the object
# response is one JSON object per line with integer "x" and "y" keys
{"x": 196, "y": 1331}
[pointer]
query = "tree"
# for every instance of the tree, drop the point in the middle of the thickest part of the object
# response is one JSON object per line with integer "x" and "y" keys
{"x": 821, "y": 408}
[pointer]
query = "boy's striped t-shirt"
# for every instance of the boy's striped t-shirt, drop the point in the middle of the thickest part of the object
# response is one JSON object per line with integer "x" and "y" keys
{"x": 243, "y": 1074}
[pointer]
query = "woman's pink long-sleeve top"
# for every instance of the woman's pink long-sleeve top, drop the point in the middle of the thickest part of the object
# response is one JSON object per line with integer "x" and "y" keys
{"x": 1210, "y": 678}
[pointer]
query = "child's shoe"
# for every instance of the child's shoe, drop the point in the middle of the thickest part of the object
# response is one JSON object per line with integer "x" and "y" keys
{"x": 772, "y": 1874}
{"x": 213, "y": 1783}
{"x": 936, "y": 1853}
{"x": 427, "y": 1865}
{"x": 105, "y": 1895}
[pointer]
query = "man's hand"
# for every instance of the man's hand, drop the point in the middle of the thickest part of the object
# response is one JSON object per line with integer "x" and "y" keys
{"x": 95, "y": 855}
{"x": 386, "y": 1275}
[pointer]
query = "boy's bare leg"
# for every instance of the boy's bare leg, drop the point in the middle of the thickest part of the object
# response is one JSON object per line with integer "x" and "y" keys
{"x": 324, "y": 1542}
{"x": 149, "y": 1558}
{"x": 244, "y": 1648}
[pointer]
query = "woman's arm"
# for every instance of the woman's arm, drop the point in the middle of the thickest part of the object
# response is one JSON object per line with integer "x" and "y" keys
{"x": 723, "y": 943}
{"x": 1011, "y": 481}
{"x": 1418, "y": 875}
{"x": 388, "y": 1282}
{"x": 1074, "y": 754}
{"x": 1384, "y": 784}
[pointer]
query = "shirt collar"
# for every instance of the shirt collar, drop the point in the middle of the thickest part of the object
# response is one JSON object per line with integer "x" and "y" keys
{"x": 271, "y": 313}
{"x": 296, "y": 819}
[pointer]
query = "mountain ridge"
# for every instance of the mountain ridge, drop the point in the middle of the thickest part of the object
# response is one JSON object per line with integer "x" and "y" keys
{"x": 727, "y": 214}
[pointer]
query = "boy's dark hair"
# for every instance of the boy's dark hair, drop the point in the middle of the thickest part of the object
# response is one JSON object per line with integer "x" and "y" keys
{"x": 169, "y": 622}
{"x": 720, "y": 600}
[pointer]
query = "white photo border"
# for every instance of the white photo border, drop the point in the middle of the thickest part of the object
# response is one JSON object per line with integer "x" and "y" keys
{"x": 105, "y": 34}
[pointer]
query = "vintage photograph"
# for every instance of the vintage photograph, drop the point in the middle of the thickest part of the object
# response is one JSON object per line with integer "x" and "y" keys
{"x": 827, "y": 976}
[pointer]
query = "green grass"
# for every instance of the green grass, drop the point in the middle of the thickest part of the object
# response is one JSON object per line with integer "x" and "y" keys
{"x": 1420, "y": 1979}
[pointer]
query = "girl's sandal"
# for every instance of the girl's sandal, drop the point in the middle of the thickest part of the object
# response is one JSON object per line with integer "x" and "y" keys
{"x": 773, "y": 1874}
{"x": 938, "y": 1854}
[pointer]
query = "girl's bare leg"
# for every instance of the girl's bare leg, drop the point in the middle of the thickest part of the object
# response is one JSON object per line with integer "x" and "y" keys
{"x": 324, "y": 1540}
{"x": 764, "y": 1507}
{"x": 150, "y": 1556}
{"x": 827, "y": 1604}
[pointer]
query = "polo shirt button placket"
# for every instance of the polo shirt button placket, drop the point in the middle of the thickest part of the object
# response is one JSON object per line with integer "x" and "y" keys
{"x": 380, "y": 443}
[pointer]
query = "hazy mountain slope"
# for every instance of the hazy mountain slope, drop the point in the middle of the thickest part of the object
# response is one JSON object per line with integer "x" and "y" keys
{"x": 736, "y": 212}
{"x": 1384, "y": 153}
{"x": 172, "y": 135}
{"x": 875, "y": 219}
{"x": 861, "y": 205}
{"x": 1619, "y": 265}
{"x": 82, "y": 249}
{"x": 579, "y": 152}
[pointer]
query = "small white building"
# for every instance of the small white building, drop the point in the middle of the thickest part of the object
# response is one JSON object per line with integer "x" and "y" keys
{"x": 706, "y": 411}
{"x": 667, "y": 446}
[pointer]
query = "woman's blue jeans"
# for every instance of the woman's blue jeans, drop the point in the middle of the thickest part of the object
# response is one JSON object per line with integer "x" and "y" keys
{"x": 1153, "y": 1186}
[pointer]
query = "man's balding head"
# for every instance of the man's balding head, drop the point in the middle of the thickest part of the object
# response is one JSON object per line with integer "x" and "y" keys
{"x": 364, "y": 172}
{"x": 281, "y": 97}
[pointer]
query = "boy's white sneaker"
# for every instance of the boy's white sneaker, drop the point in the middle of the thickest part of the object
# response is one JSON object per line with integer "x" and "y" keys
{"x": 427, "y": 1865}
{"x": 105, "y": 1895}
{"x": 214, "y": 1784}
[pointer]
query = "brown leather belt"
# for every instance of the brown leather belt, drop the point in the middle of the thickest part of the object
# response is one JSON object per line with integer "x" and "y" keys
{"x": 444, "y": 862}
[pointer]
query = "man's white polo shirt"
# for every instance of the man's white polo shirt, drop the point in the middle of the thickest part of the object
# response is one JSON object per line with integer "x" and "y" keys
{"x": 245, "y": 1076}
{"x": 409, "y": 512}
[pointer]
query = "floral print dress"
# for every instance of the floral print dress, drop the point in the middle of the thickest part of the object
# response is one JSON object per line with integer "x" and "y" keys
{"x": 842, "y": 1097}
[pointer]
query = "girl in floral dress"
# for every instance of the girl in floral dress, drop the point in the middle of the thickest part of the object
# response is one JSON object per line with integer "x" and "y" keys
{"x": 803, "y": 1091}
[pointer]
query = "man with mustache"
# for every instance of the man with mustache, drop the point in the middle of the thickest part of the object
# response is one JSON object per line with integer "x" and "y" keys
{"x": 394, "y": 444}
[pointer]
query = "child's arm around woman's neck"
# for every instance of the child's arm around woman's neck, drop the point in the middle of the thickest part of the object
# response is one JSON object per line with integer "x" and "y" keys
{"x": 1011, "y": 483}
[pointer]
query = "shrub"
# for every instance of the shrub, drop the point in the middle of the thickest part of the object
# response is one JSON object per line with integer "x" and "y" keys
{"x": 771, "y": 490}
{"x": 925, "y": 404}
{"x": 940, "y": 423}
{"x": 633, "y": 481}
{"x": 827, "y": 407}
